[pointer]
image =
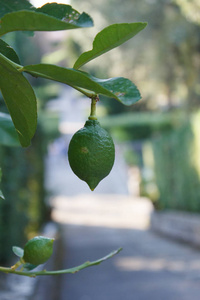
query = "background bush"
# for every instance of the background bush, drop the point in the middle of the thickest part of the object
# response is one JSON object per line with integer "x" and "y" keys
{"x": 24, "y": 209}
{"x": 167, "y": 147}
{"x": 176, "y": 167}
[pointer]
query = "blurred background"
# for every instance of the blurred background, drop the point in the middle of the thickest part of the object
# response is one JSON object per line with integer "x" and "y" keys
{"x": 157, "y": 139}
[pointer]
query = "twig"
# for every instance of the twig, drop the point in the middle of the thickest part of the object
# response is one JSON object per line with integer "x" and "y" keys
{"x": 65, "y": 271}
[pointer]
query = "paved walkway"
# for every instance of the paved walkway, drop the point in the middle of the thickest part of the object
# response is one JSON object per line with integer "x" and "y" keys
{"x": 95, "y": 223}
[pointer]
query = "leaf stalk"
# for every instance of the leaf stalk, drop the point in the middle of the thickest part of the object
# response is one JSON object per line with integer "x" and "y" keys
{"x": 15, "y": 65}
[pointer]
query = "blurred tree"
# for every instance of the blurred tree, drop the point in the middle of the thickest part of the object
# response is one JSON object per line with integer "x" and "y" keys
{"x": 163, "y": 61}
{"x": 191, "y": 9}
{"x": 23, "y": 169}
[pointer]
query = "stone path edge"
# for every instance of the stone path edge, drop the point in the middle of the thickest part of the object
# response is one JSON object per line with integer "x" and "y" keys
{"x": 180, "y": 226}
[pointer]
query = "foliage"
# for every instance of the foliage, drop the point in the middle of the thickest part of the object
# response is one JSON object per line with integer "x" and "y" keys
{"x": 7, "y": 131}
{"x": 190, "y": 9}
{"x": 21, "y": 101}
{"x": 176, "y": 167}
{"x": 24, "y": 112}
{"x": 165, "y": 57}
{"x": 1, "y": 194}
{"x": 112, "y": 36}
{"x": 49, "y": 17}
{"x": 23, "y": 210}
{"x": 170, "y": 155}
{"x": 138, "y": 126}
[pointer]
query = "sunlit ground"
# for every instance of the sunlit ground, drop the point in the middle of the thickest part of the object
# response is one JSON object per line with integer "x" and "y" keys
{"x": 115, "y": 211}
{"x": 141, "y": 263}
{"x": 123, "y": 212}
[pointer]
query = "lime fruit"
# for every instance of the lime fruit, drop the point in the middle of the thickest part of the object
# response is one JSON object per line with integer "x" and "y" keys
{"x": 91, "y": 153}
{"x": 38, "y": 250}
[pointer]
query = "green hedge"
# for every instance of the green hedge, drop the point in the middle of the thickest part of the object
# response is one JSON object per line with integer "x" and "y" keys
{"x": 143, "y": 125}
{"x": 24, "y": 209}
{"x": 176, "y": 164}
{"x": 171, "y": 155}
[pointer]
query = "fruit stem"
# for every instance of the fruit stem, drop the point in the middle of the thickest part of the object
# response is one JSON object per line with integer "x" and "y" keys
{"x": 93, "y": 108}
{"x": 19, "y": 263}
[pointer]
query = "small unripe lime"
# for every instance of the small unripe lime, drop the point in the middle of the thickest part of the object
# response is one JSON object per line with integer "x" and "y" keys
{"x": 91, "y": 153}
{"x": 38, "y": 250}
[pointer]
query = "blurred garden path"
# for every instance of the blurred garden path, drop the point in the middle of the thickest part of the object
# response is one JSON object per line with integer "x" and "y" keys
{"x": 95, "y": 223}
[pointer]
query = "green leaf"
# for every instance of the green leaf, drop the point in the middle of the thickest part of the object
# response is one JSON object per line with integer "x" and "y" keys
{"x": 8, "y": 51}
{"x": 8, "y": 133}
{"x": 18, "y": 251}
{"x": 66, "y": 14}
{"x": 120, "y": 88}
{"x": 40, "y": 20}
{"x": 10, "y": 6}
{"x": 20, "y": 100}
{"x": 1, "y": 194}
{"x": 109, "y": 38}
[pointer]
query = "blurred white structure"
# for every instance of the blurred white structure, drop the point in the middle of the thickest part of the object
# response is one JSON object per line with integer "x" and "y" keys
{"x": 38, "y": 3}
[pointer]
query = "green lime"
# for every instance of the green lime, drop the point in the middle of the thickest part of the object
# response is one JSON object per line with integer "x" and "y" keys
{"x": 38, "y": 250}
{"x": 91, "y": 153}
